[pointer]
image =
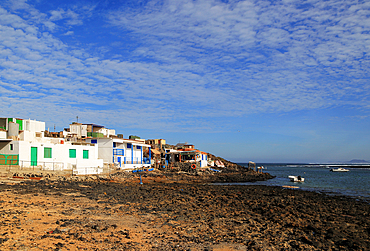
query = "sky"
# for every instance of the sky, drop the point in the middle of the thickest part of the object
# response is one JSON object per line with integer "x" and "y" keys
{"x": 263, "y": 81}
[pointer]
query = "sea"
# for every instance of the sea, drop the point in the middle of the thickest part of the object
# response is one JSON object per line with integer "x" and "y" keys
{"x": 319, "y": 178}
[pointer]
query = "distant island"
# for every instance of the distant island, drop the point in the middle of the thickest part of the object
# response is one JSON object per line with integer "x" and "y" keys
{"x": 354, "y": 161}
{"x": 357, "y": 161}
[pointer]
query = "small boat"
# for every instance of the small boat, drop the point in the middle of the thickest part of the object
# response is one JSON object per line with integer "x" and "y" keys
{"x": 35, "y": 178}
{"x": 340, "y": 169}
{"x": 296, "y": 178}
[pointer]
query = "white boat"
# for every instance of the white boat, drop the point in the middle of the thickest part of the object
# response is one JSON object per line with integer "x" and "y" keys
{"x": 340, "y": 169}
{"x": 296, "y": 178}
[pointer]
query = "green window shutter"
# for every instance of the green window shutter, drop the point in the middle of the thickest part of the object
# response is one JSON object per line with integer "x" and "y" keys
{"x": 47, "y": 153}
{"x": 86, "y": 154}
{"x": 72, "y": 153}
{"x": 20, "y": 123}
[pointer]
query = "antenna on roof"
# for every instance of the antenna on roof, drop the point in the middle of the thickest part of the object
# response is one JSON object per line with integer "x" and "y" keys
{"x": 77, "y": 119}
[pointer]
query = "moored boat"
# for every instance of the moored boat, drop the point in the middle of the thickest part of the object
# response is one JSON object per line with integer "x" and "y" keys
{"x": 296, "y": 178}
{"x": 340, "y": 169}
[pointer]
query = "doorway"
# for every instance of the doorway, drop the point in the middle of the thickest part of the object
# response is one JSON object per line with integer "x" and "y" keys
{"x": 33, "y": 156}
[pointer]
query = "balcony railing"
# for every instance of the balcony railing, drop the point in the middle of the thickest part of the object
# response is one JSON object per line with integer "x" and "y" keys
{"x": 118, "y": 151}
{"x": 136, "y": 160}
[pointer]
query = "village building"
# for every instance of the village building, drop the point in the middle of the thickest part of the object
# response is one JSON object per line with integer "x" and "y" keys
{"x": 183, "y": 154}
{"x": 83, "y": 131}
{"x": 156, "y": 143}
{"x": 115, "y": 151}
{"x": 184, "y": 146}
{"x": 123, "y": 153}
{"x": 158, "y": 152}
{"x": 23, "y": 143}
{"x": 86, "y": 148}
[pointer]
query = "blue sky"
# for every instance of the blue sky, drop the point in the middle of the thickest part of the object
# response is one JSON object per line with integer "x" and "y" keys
{"x": 268, "y": 81}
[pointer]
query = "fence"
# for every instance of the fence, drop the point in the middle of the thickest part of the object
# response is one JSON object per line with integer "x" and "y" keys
{"x": 91, "y": 170}
{"x": 13, "y": 164}
{"x": 9, "y": 159}
{"x": 43, "y": 166}
{"x": 136, "y": 160}
{"x": 57, "y": 167}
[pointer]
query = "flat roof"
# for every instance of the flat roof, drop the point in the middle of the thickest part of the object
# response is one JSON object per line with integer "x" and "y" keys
{"x": 134, "y": 142}
{"x": 4, "y": 140}
{"x": 93, "y": 125}
{"x": 155, "y": 151}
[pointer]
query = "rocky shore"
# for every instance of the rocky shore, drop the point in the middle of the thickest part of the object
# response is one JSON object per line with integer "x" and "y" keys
{"x": 176, "y": 211}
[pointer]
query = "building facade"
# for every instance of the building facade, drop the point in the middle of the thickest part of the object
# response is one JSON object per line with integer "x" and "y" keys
{"x": 28, "y": 148}
{"x": 123, "y": 153}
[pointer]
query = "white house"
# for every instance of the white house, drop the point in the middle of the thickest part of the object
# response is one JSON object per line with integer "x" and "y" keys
{"x": 123, "y": 153}
{"x": 187, "y": 155}
{"x": 81, "y": 131}
{"x": 202, "y": 157}
{"x": 22, "y": 143}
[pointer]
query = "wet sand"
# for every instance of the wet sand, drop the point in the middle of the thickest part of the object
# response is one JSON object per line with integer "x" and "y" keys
{"x": 176, "y": 212}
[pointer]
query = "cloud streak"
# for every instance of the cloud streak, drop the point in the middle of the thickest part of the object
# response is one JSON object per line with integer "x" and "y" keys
{"x": 176, "y": 63}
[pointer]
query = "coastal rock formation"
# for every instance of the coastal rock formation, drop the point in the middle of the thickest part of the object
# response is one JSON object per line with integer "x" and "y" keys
{"x": 166, "y": 213}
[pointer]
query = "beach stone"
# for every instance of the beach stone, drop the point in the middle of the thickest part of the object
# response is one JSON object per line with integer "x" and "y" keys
{"x": 179, "y": 216}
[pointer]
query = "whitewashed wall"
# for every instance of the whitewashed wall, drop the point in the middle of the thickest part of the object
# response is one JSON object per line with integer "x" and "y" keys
{"x": 34, "y": 126}
{"x": 105, "y": 147}
{"x": 3, "y": 135}
{"x": 60, "y": 155}
{"x": 204, "y": 161}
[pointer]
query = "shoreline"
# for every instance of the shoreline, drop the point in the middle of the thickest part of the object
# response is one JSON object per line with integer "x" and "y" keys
{"x": 322, "y": 165}
{"x": 121, "y": 214}
{"x": 326, "y": 191}
{"x": 352, "y": 184}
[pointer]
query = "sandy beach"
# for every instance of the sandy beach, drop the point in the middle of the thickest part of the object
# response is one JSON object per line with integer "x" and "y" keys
{"x": 176, "y": 212}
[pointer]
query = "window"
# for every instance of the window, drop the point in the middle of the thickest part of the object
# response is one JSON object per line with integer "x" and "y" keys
{"x": 86, "y": 154}
{"x": 118, "y": 152}
{"x": 47, "y": 153}
{"x": 129, "y": 145}
{"x": 114, "y": 144}
{"x": 72, "y": 153}
{"x": 11, "y": 147}
{"x": 138, "y": 147}
{"x": 94, "y": 141}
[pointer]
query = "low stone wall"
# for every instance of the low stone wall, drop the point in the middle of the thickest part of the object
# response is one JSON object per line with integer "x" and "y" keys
{"x": 16, "y": 171}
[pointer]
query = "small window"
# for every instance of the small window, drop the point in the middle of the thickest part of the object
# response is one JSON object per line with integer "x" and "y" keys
{"x": 47, "y": 153}
{"x": 129, "y": 145}
{"x": 94, "y": 141}
{"x": 72, "y": 153}
{"x": 86, "y": 154}
{"x": 11, "y": 147}
{"x": 138, "y": 147}
{"x": 114, "y": 144}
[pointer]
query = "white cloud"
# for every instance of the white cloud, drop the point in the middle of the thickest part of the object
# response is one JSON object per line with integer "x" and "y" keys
{"x": 72, "y": 17}
{"x": 57, "y": 15}
{"x": 68, "y": 33}
{"x": 196, "y": 59}
{"x": 18, "y": 4}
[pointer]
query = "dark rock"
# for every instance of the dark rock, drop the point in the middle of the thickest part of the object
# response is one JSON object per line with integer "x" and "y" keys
{"x": 2, "y": 240}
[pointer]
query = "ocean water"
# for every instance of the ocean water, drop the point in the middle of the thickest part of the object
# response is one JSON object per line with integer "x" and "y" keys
{"x": 355, "y": 183}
